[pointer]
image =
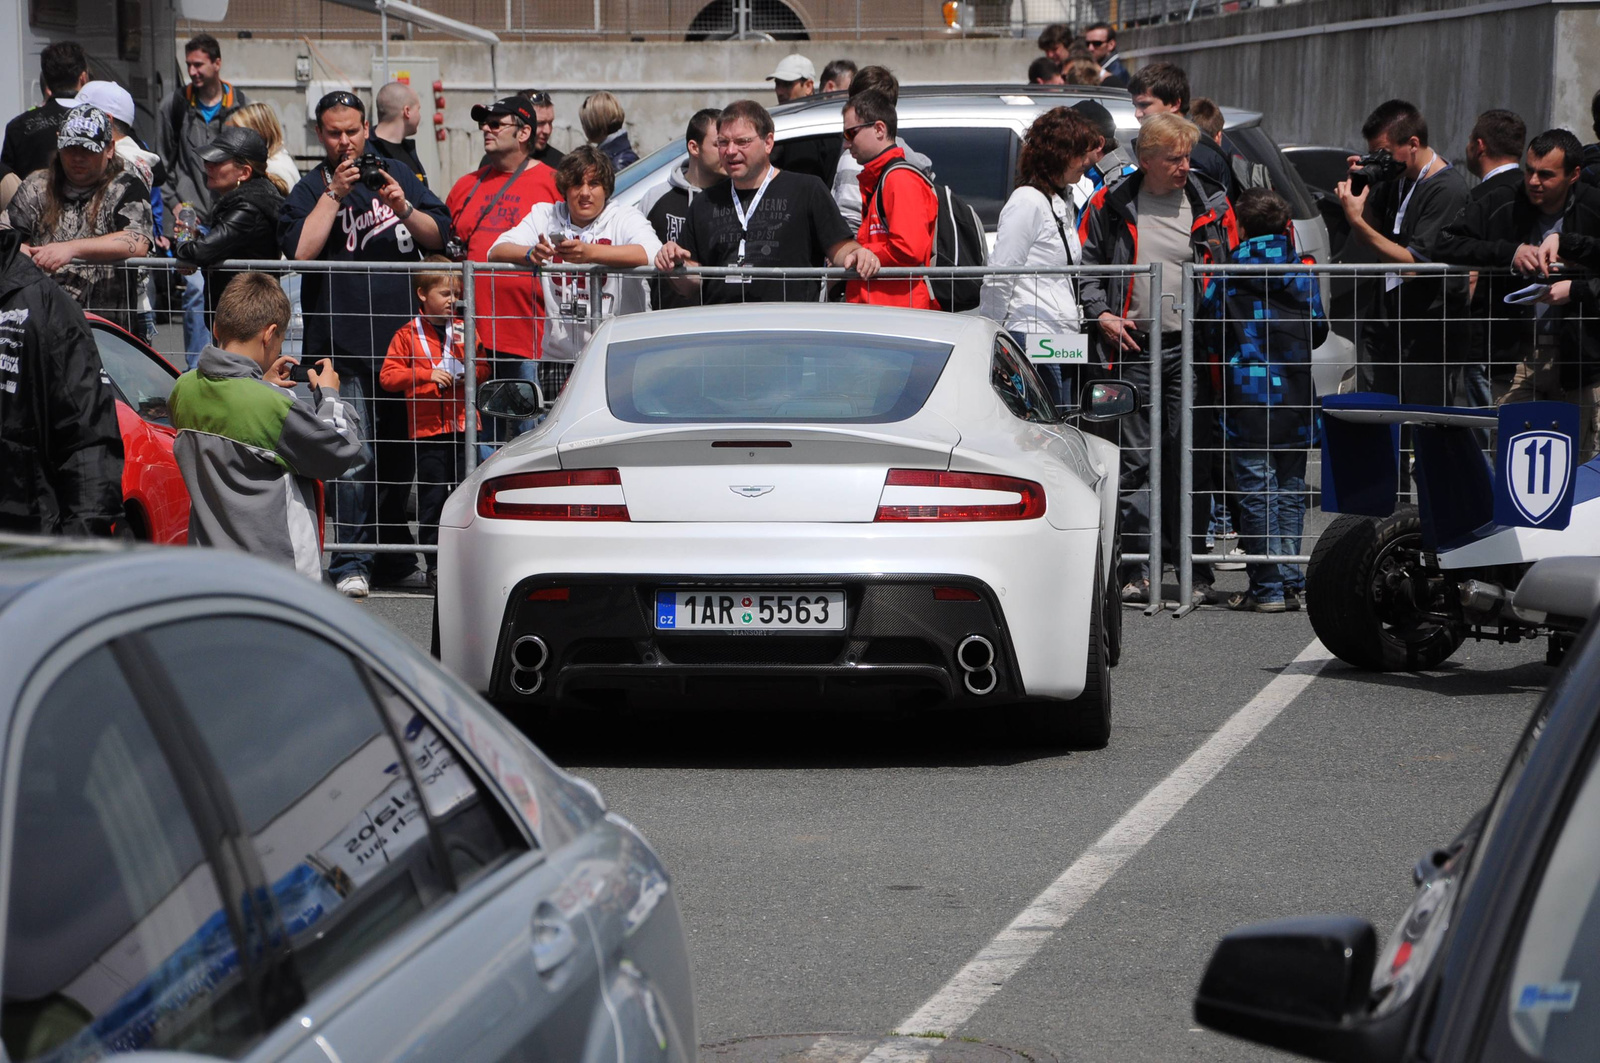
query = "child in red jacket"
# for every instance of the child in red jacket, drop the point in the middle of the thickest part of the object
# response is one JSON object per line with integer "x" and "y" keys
{"x": 426, "y": 363}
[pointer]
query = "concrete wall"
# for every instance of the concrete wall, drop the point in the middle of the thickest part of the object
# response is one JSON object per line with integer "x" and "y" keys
{"x": 1327, "y": 63}
{"x": 660, "y": 84}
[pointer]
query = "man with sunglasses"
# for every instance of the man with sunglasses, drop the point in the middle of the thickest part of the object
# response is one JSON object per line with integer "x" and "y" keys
{"x": 486, "y": 203}
{"x": 350, "y": 316}
{"x": 760, "y": 217}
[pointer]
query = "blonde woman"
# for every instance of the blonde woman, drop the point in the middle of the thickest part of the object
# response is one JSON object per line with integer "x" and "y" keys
{"x": 602, "y": 118}
{"x": 264, "y": 120}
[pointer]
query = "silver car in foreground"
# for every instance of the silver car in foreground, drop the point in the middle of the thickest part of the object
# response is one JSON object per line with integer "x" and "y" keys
{"x": 241, "y": 819}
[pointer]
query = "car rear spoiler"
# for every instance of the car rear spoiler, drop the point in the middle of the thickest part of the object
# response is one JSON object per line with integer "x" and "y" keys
{"x": 1461, "y": 498}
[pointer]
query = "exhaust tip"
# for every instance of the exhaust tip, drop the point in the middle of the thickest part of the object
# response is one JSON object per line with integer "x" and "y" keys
{"x": 525, "y": 688}
{"x": 980, "y": 682}
{"x": 975, "y": 653}
{"x": 529, "y": 653}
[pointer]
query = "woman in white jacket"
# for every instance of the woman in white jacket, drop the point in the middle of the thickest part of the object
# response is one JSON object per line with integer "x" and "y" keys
{"x": 1039, "y": 228}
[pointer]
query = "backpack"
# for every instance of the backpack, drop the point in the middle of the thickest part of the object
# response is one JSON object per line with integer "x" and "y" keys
{"x": 958, "y": 240}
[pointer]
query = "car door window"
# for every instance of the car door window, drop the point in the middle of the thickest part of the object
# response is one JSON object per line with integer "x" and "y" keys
{"x": 977, "y": 162}
{"x": 1018, "y": 385}
{"x": 116, "y": 937}
{"x": 144, "y": 385}
{"x": 321, "y": 787}
{"x": 816, "y": 154}
{"x": 1550, "y": 1008}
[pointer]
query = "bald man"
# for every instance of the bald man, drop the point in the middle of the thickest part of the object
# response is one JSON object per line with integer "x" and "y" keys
{"x": 399, "y": 112}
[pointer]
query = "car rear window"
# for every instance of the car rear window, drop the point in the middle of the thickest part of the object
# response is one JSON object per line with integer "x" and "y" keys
{"x": 1253, "y": 143}
{"x": 783, "y": 377}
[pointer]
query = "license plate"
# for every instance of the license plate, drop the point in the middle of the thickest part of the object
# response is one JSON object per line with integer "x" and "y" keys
{"x": 770, "y": 610}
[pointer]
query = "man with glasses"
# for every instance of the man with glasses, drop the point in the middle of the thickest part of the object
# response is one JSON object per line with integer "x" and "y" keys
{"x": 1102, "y": 41}
{"x": 350, "y": 316}
{"x": 486, "y": 203}
{"x": 761, "y": 216}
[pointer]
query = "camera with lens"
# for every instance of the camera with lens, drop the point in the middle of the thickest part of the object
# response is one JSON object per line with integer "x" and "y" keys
{"x": 1374, "y": 168}
{"x": 300, "y": 373}
{"x": 371, "y": 170}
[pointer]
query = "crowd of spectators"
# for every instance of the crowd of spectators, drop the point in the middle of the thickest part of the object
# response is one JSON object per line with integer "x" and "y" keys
{"x": 81, "y": 193}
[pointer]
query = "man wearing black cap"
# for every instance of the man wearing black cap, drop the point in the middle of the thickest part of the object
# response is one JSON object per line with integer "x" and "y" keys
{"x": 486, "y": 203}
{"x": 333, "y": 215}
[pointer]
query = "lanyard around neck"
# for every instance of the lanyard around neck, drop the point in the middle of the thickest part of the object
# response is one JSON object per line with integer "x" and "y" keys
{"x": 743, "y": 215}
{"x": 447, "y": 341}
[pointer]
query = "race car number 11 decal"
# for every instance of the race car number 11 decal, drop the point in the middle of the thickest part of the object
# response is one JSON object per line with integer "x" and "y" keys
{"x": 1537, "y": 466}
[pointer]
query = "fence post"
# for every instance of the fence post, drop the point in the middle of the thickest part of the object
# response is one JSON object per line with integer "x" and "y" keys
{"x": 469, "y": 340}
{"x": 1154, "y": 407}
{"x": 1186, "y": 450}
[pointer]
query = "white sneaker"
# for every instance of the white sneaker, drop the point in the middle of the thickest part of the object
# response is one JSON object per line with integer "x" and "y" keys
{"x": 353, "y": 586}
{"x": 1231, "y": 566}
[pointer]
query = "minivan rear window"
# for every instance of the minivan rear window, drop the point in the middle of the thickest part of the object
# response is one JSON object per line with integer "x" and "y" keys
{"x": 1253, "y": 143}
{"x": 779, "y": 377}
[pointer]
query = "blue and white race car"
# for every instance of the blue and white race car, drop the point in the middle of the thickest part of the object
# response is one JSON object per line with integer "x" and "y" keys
{"x": 1398, "y": 588}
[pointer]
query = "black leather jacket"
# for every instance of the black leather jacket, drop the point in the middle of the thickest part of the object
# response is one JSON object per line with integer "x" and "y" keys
{"x": 244, "y": 225}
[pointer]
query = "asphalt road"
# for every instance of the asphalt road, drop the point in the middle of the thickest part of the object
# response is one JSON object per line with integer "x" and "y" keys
{"x": 836, "y": 871}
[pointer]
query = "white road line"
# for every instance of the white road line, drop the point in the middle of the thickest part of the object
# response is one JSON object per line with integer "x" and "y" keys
{"x": 950, "y": 1008}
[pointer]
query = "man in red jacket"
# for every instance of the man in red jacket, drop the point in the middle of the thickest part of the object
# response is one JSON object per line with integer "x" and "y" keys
{"x": 899, "y": 209}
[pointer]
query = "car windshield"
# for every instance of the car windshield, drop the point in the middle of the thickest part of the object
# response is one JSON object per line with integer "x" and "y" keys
{"x": 646, "y": 168}
{"x": 143, "y": 382}
{"x": 826, "y": 377}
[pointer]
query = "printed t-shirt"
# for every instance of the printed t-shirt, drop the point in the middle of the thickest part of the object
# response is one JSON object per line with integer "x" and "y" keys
{"x": 793, "y": 225}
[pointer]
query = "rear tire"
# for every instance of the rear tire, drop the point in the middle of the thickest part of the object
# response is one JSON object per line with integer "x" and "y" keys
{"x": 1358, "y": 597}
{"x": 1085, "y": 721}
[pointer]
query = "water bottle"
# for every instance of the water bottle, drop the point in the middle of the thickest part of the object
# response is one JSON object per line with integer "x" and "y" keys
{"x": 185, "y": 223}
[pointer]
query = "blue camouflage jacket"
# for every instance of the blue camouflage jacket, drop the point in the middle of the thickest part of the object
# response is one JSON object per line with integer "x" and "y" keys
{"x": 1265, "y": 327}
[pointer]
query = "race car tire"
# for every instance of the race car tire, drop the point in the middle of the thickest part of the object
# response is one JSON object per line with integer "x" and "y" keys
{"x": 1085, "y": 721}
{"x": 1350, "y": 559}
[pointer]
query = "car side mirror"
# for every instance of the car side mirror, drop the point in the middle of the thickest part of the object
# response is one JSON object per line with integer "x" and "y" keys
{"x": 1106, "y": 400}
{"x": 515, "y": 400}
{"x": 1299, "y": 984}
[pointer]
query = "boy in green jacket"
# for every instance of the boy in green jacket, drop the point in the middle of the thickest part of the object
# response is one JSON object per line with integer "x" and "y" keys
{"x": 251, "y": 445}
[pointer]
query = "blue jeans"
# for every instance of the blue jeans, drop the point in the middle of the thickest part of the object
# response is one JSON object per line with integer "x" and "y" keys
{"x": 1272, "y": 511}
{"x": 195, "y": 333}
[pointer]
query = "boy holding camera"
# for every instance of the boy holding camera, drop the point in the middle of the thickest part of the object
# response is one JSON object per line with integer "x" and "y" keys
{"x": 1269, "y": 325}
{"x": 251, "y": 445}
{"x": 426, "y": 363}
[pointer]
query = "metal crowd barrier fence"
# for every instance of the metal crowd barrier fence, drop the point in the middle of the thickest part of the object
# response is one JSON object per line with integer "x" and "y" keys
{"x": 1250, "y": 460}
{"x": 375, "y": 514}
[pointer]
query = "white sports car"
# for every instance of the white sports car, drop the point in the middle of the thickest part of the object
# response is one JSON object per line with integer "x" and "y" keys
{"x": 751, "y": 504}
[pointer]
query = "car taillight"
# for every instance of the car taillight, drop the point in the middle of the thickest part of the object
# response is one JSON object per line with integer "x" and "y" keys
{"x": 554, "y": 496}
{"x": 927, "y": 495}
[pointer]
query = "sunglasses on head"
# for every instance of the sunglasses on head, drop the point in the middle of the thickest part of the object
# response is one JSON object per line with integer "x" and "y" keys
{"x": 540, "y": 99}
{"x": 340, "y": 99}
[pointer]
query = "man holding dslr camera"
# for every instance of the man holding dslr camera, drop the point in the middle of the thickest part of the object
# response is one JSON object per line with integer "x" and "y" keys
{"x": 357, "y": 208}
{"x": 1399, "y": 198}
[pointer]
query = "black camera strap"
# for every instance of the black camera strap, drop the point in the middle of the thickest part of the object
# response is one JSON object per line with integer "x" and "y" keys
{"x": 466, "y": 238}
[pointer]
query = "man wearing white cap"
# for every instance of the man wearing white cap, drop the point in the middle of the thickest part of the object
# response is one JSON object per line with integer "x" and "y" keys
{"x": 117, "y": 102}
{"x": 794, "y": 79}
